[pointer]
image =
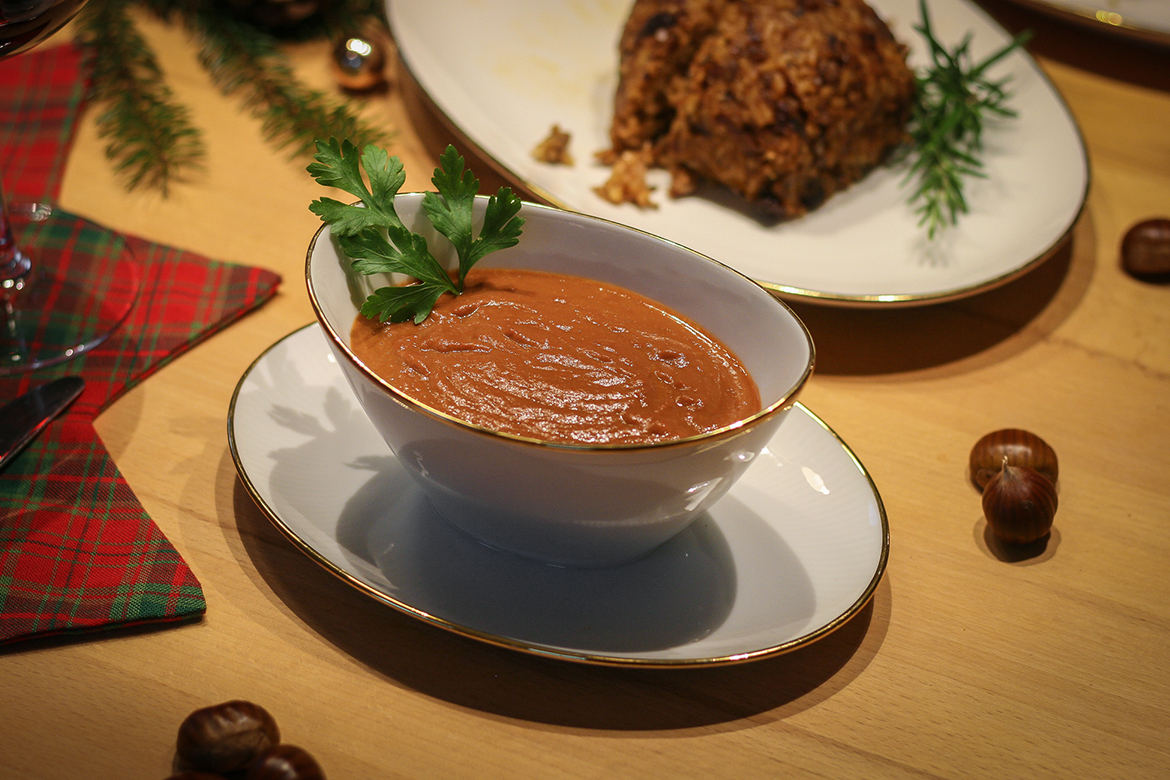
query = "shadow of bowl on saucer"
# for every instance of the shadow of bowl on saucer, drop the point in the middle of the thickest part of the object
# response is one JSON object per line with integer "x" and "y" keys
{"x": 678, "y": 594}
{"x": 411, "y": 654}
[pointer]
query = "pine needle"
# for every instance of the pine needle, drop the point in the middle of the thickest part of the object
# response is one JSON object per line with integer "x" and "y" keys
{"x": 151, "y": 139}
{"x": 246, "y": 61}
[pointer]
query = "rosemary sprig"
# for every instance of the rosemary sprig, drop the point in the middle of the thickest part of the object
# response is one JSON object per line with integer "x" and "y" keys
{"x": 955, "y": 98}
{"x": 151, "y": 138}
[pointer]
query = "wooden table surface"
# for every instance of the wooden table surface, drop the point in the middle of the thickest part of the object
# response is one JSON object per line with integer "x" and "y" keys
{"x": 969, "y": 662}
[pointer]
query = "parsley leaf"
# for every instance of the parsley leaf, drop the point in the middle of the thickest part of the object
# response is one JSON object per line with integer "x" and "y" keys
{"x": 450, "y": 212}
{"x": 411, "y": 297}
{"x": 376, "y": 241}
{"x": 337, "y": 166}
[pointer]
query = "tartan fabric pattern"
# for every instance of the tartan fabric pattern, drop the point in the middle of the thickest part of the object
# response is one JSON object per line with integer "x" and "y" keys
{"x": 39, "y": 105}
{"x": 78, "y": 552}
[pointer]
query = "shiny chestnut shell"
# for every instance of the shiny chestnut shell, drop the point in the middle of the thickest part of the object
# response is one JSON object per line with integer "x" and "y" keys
{"x": 225, "y": 737}
{"x": 1145, "y": 249}
{"x": 284, "y": 762}
{"x": 1019, "y": 504}
{"x": 1019, "y": 448}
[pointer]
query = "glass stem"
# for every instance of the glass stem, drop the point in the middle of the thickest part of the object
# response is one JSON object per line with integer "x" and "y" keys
{"x": 14, "y": 264}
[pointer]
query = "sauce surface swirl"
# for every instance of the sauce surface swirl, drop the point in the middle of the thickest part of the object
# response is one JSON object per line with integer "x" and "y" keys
{"x": 561, "y": 358}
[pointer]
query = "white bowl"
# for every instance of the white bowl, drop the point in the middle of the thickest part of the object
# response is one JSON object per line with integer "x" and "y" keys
{"x": 567, "y": 504}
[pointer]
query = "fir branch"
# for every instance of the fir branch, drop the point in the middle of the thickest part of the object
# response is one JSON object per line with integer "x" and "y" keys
{"x": 245, "y": 60}
{"x": 151, "y": 139}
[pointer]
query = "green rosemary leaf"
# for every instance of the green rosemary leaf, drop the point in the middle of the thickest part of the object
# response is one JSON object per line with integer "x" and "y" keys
{"x": 953, "y": 102}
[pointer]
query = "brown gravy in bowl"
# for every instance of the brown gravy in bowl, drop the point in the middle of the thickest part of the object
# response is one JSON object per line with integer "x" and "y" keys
{"x": 563, "y": 359}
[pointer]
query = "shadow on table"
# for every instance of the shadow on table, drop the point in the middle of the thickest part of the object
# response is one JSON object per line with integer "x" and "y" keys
{"x": 512, "y": 684}
{"x": 90, "y": 636}
{"x": 1029, "y": 554}
{"x": 872, "y": 341}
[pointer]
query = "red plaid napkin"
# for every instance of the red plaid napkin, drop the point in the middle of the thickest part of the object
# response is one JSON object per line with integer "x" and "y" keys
{"x": 77, "y": 550}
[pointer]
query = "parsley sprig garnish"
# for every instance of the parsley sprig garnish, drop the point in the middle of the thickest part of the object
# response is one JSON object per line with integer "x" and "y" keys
{"x": 955, "y": 97}
{"x": 375, "y": 239}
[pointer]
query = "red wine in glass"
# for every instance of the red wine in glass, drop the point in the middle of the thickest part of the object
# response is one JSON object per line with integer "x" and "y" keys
{"x": 66, "y": 283}
{"x": 25, "y": 23}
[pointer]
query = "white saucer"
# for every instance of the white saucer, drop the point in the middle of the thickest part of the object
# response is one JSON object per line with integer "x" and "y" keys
{"x": 793, "y": 551}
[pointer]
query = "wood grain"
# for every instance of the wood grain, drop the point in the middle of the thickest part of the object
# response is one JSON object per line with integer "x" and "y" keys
{"x": 972, "y": 661}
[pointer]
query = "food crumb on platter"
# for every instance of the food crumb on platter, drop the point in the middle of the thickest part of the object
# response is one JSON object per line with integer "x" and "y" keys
{"x": 554, "y": 149}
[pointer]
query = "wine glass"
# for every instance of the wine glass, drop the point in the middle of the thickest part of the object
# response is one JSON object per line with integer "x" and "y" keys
{"x": 73, "y": 283}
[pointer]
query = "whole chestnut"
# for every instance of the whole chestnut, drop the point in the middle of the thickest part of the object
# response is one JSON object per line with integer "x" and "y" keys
{"x": 1019, "y": 447}
{"x": 1019, "y": 504}
{"x": 284, "y": 762}
{"x": 225, "y": 737}
{"x": 1145, "y": 249}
